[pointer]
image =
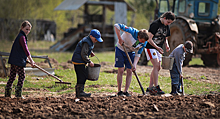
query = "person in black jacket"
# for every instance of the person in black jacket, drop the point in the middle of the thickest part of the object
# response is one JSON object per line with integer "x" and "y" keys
{"x": 81, "y": 57}
{"x": 18, "y": 56}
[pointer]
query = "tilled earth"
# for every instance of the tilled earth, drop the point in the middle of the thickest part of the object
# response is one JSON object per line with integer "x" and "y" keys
{"x": 207, "y": 106}
{"x": 107, "y": 105}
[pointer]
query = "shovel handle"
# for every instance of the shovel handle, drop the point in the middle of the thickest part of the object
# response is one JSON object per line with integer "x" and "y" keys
{"x": 129, "y": 59}
{"x": 182, "y": 86}
{"x": 46, "y": 72}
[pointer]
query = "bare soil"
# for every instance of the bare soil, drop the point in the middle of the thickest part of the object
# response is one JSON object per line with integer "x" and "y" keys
{"x": 112, "y": 107}
{"x": 108, "y": 106}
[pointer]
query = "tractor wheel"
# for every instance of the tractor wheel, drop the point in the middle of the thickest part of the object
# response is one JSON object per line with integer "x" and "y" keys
{"x": 211, "y": 60}
{"x": 179, "y": 33}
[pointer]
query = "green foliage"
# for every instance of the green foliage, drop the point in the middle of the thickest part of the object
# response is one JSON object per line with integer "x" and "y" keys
{"x": 44, "y": 9}
{"x": 143, "y": 6}
{"x": 40, "y": 9}
{"x": 144, "y": 14}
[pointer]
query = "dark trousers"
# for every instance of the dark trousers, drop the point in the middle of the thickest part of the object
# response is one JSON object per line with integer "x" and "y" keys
{"x": 81, "y": 73}
{"x": 21, "y": 73}
{"x": 175, "y": 76}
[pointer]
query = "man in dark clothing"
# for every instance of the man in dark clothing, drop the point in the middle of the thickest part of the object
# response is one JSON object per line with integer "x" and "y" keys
{"x": 81, "y": 57}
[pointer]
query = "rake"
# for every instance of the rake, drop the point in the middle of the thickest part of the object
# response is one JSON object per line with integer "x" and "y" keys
{"x": 56, "y": 83}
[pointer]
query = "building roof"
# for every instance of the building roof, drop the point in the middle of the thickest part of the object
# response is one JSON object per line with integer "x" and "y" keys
{"x": 70, "y": 4}
{"x": 76, "y": 4}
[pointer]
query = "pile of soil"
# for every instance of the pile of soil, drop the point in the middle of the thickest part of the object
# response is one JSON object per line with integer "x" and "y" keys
{"x": 67, "y": 106}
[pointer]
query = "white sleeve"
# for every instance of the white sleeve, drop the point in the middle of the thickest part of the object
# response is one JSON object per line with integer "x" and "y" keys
{"x": 117, "y": 26}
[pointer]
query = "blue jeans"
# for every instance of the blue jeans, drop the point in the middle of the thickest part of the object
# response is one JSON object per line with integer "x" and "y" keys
{"x": 175, "y": 75}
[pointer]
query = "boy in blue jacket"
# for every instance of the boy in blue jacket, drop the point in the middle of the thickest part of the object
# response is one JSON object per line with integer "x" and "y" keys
{"x": 134, "y": 41}
{"x": 81, "y": 57}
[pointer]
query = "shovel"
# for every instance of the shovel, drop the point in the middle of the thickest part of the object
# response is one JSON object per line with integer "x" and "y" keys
{"x": 181, "y": 79}
{"x": 60, "y": 81}
{"x": 129, "y": 59}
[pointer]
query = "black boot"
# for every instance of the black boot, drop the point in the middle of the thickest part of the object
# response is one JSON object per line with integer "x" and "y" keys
{"x": 18, "y": 92}
{"x": 8, "y": 91}
{"x": 174, "y": 89}
{"x": 80, "y": 91}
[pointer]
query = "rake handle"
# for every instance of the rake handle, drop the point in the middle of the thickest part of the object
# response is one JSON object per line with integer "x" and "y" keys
{"x": 129, "y": 59}
{"x": 46, "y": 72}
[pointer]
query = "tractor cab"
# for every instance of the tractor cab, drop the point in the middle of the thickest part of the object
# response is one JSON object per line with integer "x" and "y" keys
{"x": 198, "y": 10}
{"x": 197, "y": 21}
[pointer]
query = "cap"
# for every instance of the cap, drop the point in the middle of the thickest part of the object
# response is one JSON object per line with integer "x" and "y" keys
{"x": 95, "y": 33}
{"x": 189, "y": 46}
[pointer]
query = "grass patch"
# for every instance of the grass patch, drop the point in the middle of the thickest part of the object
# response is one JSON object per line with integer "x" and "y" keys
{"x": 196, "y": 61}
{"x": 106, "y": 81}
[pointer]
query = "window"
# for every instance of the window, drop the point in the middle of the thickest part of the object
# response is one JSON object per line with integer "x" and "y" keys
{"x": 163, "y": 6}
{"x": 204, "y": 9}
{"x": 182, "y": 6}
{"x": 176, "y": 7}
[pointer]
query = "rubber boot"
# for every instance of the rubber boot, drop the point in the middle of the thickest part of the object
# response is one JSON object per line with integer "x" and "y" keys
{"x": 8, "y": 91}
{"x": 80, "y": 91}
{"x": 18, "y": 92}
{"x": 174, "y": 89}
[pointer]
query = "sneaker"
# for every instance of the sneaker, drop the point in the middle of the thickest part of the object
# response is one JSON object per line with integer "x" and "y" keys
{"x": 120, "y": 93}
{"x": 127, "y": 94}
{"x": 158, "y": 90}
{"x": 150, "y": 91}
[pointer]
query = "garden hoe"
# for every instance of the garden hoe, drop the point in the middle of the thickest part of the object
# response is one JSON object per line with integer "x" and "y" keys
{"x": 142, "y": 89}
{"x": 60, "y": 81}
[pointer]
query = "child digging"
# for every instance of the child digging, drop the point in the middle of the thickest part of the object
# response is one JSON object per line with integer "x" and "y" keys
{"x": 81, "y": 57}
{"x": 176, "y": 72}
{"x": 134, "y": 41}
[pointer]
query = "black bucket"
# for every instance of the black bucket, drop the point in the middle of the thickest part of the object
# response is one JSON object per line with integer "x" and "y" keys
{"x": 93, "y": 72}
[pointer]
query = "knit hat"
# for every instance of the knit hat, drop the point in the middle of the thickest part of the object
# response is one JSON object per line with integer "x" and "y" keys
{"x": 189, "y": 46}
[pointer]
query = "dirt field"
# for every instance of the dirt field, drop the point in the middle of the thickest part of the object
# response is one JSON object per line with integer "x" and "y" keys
{"x": 112, "y": 107}
{"x": 107, "y": 105}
